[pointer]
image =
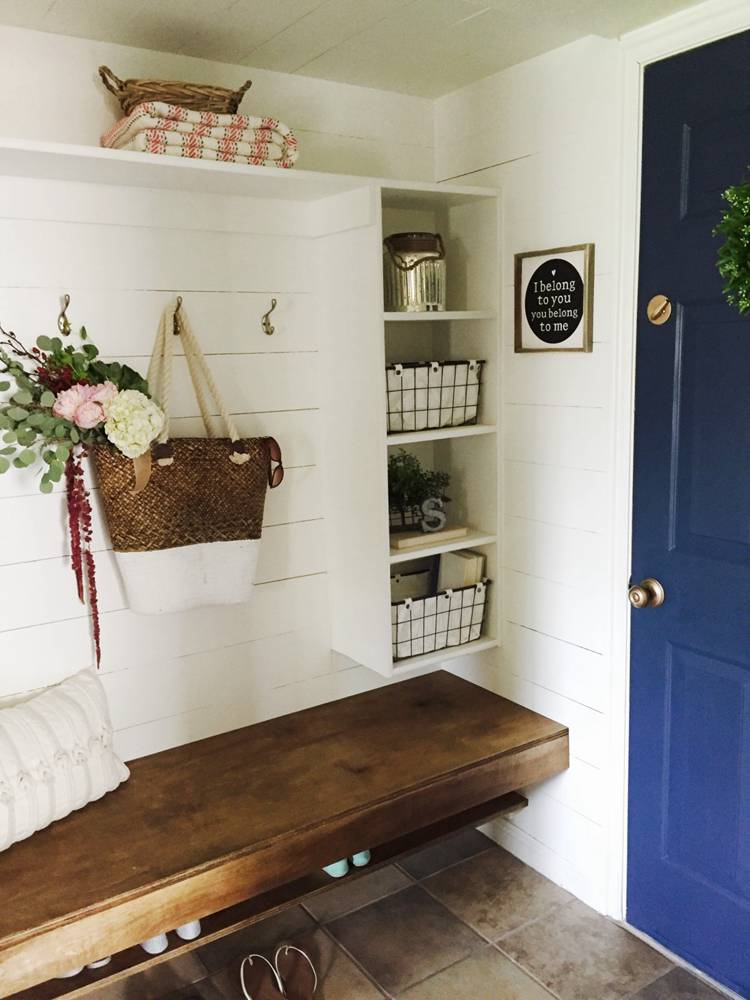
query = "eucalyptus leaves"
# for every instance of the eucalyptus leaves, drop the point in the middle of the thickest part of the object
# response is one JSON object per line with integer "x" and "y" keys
{"x": 57, "y": 396}
{"x": 734, "y": 254}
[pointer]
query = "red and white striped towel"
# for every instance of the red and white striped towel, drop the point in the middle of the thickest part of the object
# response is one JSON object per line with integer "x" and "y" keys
{"x": 205, "y": 148}
{"x": 169, "y": 118}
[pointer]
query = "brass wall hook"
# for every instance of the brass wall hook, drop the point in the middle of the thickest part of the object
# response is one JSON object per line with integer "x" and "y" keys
{"x": 266, "y": 322}
{"x": 175, "y": 319}
{"x": 63, "y": 323}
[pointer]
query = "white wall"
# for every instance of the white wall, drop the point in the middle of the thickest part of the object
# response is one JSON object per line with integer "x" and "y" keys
{"x": 548, "y": 132}
{"x": 122, "y": 254}
{"x": 50, "y": 90}
{"x": 119, "y": 252}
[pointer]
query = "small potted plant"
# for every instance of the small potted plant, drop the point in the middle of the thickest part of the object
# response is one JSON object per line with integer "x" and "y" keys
{"x": 410, "y": 487}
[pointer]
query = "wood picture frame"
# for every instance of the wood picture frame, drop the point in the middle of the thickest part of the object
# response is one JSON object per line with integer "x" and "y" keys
{"x": 554, "y": 299}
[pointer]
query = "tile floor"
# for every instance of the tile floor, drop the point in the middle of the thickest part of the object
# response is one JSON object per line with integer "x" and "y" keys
{"x": 462, "y": 920}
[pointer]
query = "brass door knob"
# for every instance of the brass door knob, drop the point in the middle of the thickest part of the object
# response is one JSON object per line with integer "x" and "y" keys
{"x": 649, "y": 593}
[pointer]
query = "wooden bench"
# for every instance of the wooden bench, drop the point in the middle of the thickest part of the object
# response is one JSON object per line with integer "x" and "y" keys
{"x": 236, "y": 827}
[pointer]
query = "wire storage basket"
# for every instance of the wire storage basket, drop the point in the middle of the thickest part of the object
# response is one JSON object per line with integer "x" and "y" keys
{"x": 448, "y": 619}
{"x": 426, "y": 394}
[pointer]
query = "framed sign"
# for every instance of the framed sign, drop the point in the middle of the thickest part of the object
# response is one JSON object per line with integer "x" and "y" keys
{"x": 555, "y": 299}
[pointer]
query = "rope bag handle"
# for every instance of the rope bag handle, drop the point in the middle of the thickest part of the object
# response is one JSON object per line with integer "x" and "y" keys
{"x": 173, "y": 322}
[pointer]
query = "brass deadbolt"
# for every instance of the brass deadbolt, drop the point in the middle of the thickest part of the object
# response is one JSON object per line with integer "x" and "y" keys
{"x": 659, "y": 309}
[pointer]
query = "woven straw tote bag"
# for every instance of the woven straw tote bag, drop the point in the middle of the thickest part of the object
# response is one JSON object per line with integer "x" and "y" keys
{"x": 190, "y": 536}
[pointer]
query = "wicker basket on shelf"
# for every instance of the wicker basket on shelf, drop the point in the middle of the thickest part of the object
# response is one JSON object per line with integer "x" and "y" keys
{"x": 197, "y": 96}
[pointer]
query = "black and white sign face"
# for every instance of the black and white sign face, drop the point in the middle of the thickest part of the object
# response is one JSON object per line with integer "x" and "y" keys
{"x": 553, "y": 299}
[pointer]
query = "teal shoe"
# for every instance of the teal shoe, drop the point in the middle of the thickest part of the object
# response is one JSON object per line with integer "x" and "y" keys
{"x": 361, "y": 859}
{"x": 338, "y": 869}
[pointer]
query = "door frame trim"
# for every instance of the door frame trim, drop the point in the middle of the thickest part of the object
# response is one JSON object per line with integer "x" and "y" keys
{"x": 670, "y": 36}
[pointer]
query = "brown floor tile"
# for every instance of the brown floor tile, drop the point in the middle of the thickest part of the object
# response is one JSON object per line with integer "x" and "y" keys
{"x": 263, "y": 937}
{"x": 678, "y": 985}
{"x": 338, "y": 977}
{"x": 351, "y": 895}
{"x": 227, "y": 982}
{"x": 488, "y": 975}
{"x": 434, "y": 858}
{"x": 204, "y": 990}
{"x": 495, "y": 892}
{"x": 159, "y": 981}
{"x": 580, "y": 955}
{"x": 404, "y": 938}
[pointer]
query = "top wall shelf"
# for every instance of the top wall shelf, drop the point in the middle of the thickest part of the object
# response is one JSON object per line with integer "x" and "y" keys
{"x": 432, "y": 317}
{"x": 95, "y": 165}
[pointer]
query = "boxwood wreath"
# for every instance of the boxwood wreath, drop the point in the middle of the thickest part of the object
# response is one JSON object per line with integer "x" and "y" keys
{"x": 733, "y": 259}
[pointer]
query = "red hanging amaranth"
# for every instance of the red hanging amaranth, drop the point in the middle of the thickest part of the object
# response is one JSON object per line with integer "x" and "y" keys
{"x": 72, "y": 471}
{"x": 80, "y": 526}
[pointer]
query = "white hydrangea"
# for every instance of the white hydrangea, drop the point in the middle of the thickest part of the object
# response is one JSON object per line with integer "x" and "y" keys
{"x": 133, "y": 422}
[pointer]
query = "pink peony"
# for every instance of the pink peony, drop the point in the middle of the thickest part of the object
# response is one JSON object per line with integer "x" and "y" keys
{"x": 103, "y": 393}
{"x": 84, "y": 405}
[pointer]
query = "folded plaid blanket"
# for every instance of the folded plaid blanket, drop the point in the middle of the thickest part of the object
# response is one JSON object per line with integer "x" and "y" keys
{"x": 146, "y": 122}
{"x": 170, "y": 117}
{"x": 160, "y": 142}
{"x": 154, "y": 140}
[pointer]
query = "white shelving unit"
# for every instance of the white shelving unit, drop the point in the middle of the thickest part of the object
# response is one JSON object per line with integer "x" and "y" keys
{"x": 437, "y": 317}
{"x": 361, "y": 556}
{"x": 441, "y": 434}
{"x": 343, "y": 220}
{"x": 442, "y": 656}
{"x": 470, "y": 541}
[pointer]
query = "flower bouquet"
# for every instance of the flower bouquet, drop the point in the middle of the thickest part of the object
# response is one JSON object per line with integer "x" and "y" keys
{"x": 57, "y": 400}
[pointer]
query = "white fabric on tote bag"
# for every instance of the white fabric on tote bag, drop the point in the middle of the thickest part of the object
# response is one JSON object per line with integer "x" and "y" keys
{"x": 189, "y": 576}
{"x": 55, "y": 756}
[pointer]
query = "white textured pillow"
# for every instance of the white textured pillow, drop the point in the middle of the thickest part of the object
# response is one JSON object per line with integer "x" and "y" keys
{"x": 55, "y": 756}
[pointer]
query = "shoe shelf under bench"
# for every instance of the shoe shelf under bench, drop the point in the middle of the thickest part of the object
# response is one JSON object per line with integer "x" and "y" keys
{"x": 134, "y": 960}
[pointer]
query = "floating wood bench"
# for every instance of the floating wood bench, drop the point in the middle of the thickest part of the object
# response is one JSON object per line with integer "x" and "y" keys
{"x": 236, "y": 827}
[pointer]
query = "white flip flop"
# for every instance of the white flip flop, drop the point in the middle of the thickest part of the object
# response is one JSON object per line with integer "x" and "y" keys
{"x": 251, "y": 960}
{"x": 283, "y": 953}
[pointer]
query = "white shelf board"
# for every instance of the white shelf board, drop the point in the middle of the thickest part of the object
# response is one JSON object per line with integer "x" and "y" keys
{"x": 440, "y": 434}
{"x": 431, "y": 317}
{"x": 93, "y": 164}
{"x": 452, "y": 545}
{"x": 442, "y": 656}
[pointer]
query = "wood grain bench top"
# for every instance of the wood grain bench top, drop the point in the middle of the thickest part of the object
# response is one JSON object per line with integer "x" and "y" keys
{"x": 206, "y": 825}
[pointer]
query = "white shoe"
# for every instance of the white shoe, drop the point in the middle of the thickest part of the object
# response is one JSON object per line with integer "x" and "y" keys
{"x": 155, "y": 945}
{"x": 100, "y": 963}
{"x": 190, "y": 931}
{"x": 70, "y": 973}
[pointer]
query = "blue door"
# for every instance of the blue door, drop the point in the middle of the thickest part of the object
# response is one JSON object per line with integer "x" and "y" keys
{"x": 689, "y": 784}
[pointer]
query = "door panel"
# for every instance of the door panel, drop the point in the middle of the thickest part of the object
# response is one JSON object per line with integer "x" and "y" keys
{"x": 689, "y": 810}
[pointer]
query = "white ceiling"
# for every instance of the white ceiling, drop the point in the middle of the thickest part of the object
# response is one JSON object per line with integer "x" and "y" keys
{"x": 423, "y": 47}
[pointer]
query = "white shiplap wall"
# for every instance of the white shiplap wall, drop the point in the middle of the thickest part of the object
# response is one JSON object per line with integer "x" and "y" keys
{"x": 547, "y": 132}
{"x": 122, "y": 254}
